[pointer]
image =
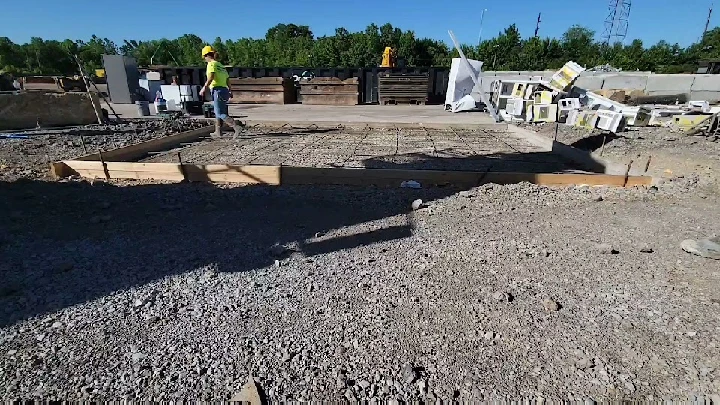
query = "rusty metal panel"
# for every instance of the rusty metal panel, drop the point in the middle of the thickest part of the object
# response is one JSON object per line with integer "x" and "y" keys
{"x": 403, "y": 88}
{"x": 330, "y": 91}
{"x": 263, "y": 90}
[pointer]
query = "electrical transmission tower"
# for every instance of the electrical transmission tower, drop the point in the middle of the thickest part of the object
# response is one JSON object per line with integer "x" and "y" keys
{"x": 707, "y": 23}
{"x": 616, "y": 23}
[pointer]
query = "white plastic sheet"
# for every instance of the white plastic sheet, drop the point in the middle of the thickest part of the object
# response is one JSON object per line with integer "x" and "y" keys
{"x": 461, "y": 85}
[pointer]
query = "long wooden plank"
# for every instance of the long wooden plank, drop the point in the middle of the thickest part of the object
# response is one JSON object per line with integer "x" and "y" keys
{"x": 393, "y": 177}
{"x": 174, "y": 172}
{"x": 276, "y": 175}
{"x": 137, "y": 151}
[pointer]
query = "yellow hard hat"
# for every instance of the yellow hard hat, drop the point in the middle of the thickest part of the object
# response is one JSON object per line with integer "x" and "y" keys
{"x": 206, "y": 50}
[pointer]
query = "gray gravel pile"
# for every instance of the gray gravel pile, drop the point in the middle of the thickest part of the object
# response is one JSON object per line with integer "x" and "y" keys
{"x": 29, "y": 158}
{"x": 337, "y": 293}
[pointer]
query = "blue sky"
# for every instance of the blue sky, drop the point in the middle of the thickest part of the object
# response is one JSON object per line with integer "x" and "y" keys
{"x": 650, "y": 20}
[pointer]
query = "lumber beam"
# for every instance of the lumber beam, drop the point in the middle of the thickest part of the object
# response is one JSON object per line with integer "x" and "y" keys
{"x": 139, "y": 150}
{"x": 393, "y": 177}
{"x": 172, "y": 171}
{"x": 288, "y": 175}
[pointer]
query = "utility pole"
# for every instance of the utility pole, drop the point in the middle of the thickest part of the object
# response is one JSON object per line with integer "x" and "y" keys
{"x": 707, "y": 23}
{"x": 537, "y": 25}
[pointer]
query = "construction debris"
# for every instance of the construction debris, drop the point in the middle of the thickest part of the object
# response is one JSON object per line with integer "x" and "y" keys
{"x": 558, "y": 100}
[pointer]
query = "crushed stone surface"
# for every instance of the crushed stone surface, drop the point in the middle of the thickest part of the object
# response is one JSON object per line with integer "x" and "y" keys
{"x": 169, "y": 291}
{"x": 30, "y": 158}
{"x": 140, "y": 289}
{"x": 665, "y": 152}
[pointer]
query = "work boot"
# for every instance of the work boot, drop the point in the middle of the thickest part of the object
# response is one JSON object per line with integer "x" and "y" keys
{"x": 235, "y": 126}
{"x": 218, "y": 127}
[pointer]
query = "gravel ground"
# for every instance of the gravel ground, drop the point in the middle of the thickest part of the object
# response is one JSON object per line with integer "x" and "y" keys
{"x": 30, "y": 158}
{"x": 181, "y": 291}
{"x": 670, "y": 153}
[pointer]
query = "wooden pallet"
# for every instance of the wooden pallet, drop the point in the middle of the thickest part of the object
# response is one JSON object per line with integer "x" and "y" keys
{"x": 403, "y": 89}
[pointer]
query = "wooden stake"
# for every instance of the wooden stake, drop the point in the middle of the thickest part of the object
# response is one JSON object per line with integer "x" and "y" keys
{"x": 87, "y": 87}
{"x": 602, "y": 148}
{"x": 82, "y": 142}
{"x": 87, "y": 91}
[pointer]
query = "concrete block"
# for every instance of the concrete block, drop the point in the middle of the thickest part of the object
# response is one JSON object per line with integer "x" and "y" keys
{"x": 26, "y": 110}
{"x": 572, "y": 117}
{"x": 710, "y": 96}
{"x": 569, "y": 104}
{"x": 687, "y": 122}
{"x": 545, "y": 113}
{"x": 517, "y": 106}
{"x": 612, "y": 121}
{"x": 636, "y": 116}
{"x": 589, "y": 82}
{"x": 565, "y": 77}
{"x": 669, "y": 84}
{"x": 625, "y": 82}
{"x": 706, "y": 83}
{"x": 543, "y": 97}
{"x": 586, "y": 119}
{"x": 702, "y": 105}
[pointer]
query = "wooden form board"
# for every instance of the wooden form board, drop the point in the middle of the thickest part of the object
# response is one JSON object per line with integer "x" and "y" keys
{"x": 288, "y": 175}
{"x": 137, "y": 151}
{"x": 172, "y": 171}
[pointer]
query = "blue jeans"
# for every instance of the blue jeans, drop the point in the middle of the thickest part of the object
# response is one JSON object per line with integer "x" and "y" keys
{"x": 221, "y": 95}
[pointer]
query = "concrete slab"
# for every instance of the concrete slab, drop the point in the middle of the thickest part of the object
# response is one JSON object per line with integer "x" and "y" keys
{"x": 589, "y": 82}
{"x": 706, "y": 83}
{"x": 709, "y": 96}
{"x": 415, "y": 149}
{"x": 669, "y": 84}
{"x": 624, "y": 82}
{"x": 27, "y": 110}
{"x": 408, "y": 115}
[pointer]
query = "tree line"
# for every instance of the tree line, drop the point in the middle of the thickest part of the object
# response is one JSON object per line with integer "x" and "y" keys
{"x": 290, "y": 45}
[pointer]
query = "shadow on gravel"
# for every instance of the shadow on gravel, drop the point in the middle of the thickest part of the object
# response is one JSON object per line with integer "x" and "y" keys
{"x": 64, "y": 243}
{"x": 595, "y": 141}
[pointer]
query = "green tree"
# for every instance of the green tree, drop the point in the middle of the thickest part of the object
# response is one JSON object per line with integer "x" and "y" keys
{"x": 295, "y": 45}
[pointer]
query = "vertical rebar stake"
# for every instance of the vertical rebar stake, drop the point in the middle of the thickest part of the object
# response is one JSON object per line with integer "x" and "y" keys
{"x": 104, "y": 165}
{"x": 182, "y": 168}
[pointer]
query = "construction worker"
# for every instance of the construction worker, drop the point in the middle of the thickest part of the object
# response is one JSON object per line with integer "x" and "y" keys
{"x": 217, "y": 82}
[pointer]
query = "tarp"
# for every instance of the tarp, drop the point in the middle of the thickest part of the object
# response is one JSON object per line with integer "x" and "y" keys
{"x": 461, "y": 84}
